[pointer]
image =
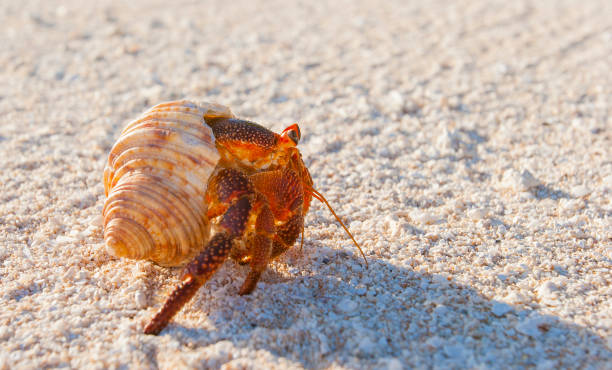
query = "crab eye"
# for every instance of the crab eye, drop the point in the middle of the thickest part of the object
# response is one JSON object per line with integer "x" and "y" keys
{"x": 294, "y": 136}
{"x": 293, "y": 133}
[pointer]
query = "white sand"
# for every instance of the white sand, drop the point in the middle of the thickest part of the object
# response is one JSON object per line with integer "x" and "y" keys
{"x": 467, "y": 146}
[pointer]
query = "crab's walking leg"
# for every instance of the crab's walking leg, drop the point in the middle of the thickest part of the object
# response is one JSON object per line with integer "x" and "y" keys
{"x": 260, "y": 248}
{"x": 285, "y": 195}
{"x": 233, "y": 194}
{"x": 287, "y": 234}
{"x": 203, "y": 266}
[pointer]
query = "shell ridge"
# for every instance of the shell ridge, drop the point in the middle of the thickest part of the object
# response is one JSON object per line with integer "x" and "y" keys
{"x": 156, "y": 225}
{"x": 155, "y": 182}
{"x": 191, "y": 230}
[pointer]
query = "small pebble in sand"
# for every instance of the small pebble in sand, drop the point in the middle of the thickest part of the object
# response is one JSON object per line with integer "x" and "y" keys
{"x": 547, "y": 293}
{"x": 535, "y": 325}
{"x": 367, "y": 346}
{"x": 580, "y": 191}
{"x": 347, "y": 305}
{"x": 5, "y": 333}
{"x": 96, "y": 220}
{"x": 360, "y": 289}
{"x": 394, "y": 101}
{"x": 515, "y": 298}
{"x": 140, "y": 298}
{"x": 499, "y": 309}
{"x": 519, "y": 181}
{"x": 477, "y": 213}
{"x": 423, "y": 217}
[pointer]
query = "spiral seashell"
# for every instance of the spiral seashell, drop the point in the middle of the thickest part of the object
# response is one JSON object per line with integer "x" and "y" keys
{"x": 155, "y": 181}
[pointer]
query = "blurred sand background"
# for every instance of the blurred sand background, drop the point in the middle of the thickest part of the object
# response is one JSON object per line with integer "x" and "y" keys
{"x": 467, "y": 145}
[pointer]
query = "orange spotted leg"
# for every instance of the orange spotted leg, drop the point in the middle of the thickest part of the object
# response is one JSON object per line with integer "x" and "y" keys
{"x": 233, "y": 197}
{"x": 260, "y": 248}
{"x": 203, "y": 266}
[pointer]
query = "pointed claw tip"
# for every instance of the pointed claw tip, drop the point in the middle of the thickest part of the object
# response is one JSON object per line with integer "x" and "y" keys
{"x": 152, "y": 329}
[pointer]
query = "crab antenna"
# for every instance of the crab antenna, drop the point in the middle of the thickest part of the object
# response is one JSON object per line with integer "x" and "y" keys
{"x": 302, "y": 241}
{"x": 322, "y": 199}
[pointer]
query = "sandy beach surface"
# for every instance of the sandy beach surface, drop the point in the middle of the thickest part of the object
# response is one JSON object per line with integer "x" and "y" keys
{"x": 468, "y": 146}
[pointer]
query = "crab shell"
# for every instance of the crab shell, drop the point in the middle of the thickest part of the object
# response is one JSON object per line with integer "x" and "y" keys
{"x": 155, "y": 181}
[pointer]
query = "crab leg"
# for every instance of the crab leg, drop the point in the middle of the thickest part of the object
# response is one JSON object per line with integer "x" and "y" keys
{"x": 283, "y": 189}
{"x": 230, "y": 190}
{"x": 203, "y": 266}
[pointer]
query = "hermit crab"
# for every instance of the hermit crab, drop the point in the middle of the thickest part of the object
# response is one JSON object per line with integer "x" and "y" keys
{"x": 192, "y": 184}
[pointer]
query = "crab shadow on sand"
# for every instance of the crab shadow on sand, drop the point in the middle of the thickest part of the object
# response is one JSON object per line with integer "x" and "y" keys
{"x": 339, "y": 313}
